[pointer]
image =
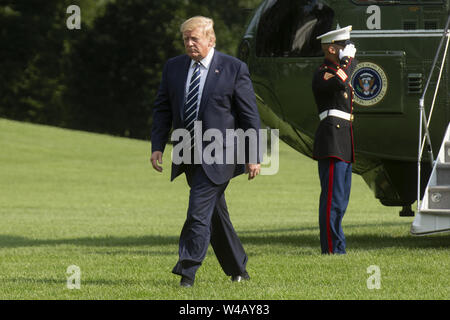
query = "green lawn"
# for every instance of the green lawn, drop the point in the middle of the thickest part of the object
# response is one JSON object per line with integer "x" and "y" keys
{"x": 75, "y": 198}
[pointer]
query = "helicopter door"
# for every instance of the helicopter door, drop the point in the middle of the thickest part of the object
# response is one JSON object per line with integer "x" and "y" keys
{"x": 286, "y": 35}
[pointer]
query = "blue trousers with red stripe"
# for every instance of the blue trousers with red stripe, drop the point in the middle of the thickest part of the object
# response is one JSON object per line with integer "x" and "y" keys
{"x": 335, "y": 180}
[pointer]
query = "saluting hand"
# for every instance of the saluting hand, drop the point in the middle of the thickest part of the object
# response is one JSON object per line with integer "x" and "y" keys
{"x": 155, "y": 159}
{"x": 349, "y": 51}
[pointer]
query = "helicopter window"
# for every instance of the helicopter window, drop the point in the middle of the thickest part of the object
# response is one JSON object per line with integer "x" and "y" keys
{"x": 288, "y": 28}
{"x": 409, "y": 25}
{"x": 430, "y": 25}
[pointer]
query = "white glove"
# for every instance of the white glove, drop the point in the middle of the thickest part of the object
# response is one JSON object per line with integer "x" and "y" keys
{"x": 349, "y": 51}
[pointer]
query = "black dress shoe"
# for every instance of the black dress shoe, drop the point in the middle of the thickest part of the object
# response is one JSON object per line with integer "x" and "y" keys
{"x": 186, "y": 282}
{"x": 240, "y": 277}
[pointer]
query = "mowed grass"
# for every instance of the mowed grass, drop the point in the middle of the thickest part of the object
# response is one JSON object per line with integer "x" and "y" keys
{"x": 90, "y": 200}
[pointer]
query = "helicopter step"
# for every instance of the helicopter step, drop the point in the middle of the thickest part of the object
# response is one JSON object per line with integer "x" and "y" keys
{"x": 433, "y": 214}
{"x": 447, "y": 152}
{"x": 443, "y": 174}
{"x": 437, "y": 212}
{"x": 439, "y": 197}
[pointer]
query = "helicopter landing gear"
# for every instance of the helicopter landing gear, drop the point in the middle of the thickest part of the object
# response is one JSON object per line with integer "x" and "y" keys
{"x": 406, "y": 212}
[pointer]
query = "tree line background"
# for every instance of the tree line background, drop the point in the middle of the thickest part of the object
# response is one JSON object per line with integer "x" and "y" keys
{"x": 104, "y": 77}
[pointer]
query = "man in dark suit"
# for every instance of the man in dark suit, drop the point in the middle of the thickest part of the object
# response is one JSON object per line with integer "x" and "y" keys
{"x": 333, "y": 143}
{"x": 208, "y": 87}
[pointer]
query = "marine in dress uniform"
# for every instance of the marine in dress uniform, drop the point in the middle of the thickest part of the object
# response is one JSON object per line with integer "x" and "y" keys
{"x": 334, "y": 144}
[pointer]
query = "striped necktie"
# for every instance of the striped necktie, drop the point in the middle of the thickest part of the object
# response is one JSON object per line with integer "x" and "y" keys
{"x": 190, "y": 107}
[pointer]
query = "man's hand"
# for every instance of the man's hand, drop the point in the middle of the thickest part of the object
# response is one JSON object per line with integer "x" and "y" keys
{"x": 349, "y": 51}
{"x": 155, "y": 159}
{"x": 252, "y": 169}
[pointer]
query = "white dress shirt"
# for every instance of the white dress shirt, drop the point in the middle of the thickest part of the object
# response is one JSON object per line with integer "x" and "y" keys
{"x": 204, "y": 67}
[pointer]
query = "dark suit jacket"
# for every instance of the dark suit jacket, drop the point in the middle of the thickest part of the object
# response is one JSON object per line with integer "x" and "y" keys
{"x": 332, "y": 90}
{"x": 228, "y": 102}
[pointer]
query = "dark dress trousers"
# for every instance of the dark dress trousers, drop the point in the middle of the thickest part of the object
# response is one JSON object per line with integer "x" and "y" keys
{"x": 334, "y": 149}
{"x": 227, "y": 102}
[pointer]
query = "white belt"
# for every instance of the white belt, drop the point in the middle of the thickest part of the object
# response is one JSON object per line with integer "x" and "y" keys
{"x": 336, "y": 113}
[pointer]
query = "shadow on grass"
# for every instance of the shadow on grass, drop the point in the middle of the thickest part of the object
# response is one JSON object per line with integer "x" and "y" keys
{"x": 361, "y": 242}
{"x": 302, "y": 237}
{"x": 9, "y": 241}
{"x": 95, "y": 282}
{"x": 316, "y": 227}
{"x": 298, "y": 237}
{"x": 23, "y": 280}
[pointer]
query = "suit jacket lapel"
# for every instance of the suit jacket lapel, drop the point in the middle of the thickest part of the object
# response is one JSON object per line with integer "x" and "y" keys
{"x": 211, "y": 81}
{"x": 181, "y": 85}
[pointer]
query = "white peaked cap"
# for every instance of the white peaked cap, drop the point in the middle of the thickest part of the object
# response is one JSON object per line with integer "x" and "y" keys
{"x": 336, "y": 35}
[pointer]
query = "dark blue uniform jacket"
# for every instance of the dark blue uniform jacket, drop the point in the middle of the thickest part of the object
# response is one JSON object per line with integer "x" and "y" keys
{"x": 332, "y": 90}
